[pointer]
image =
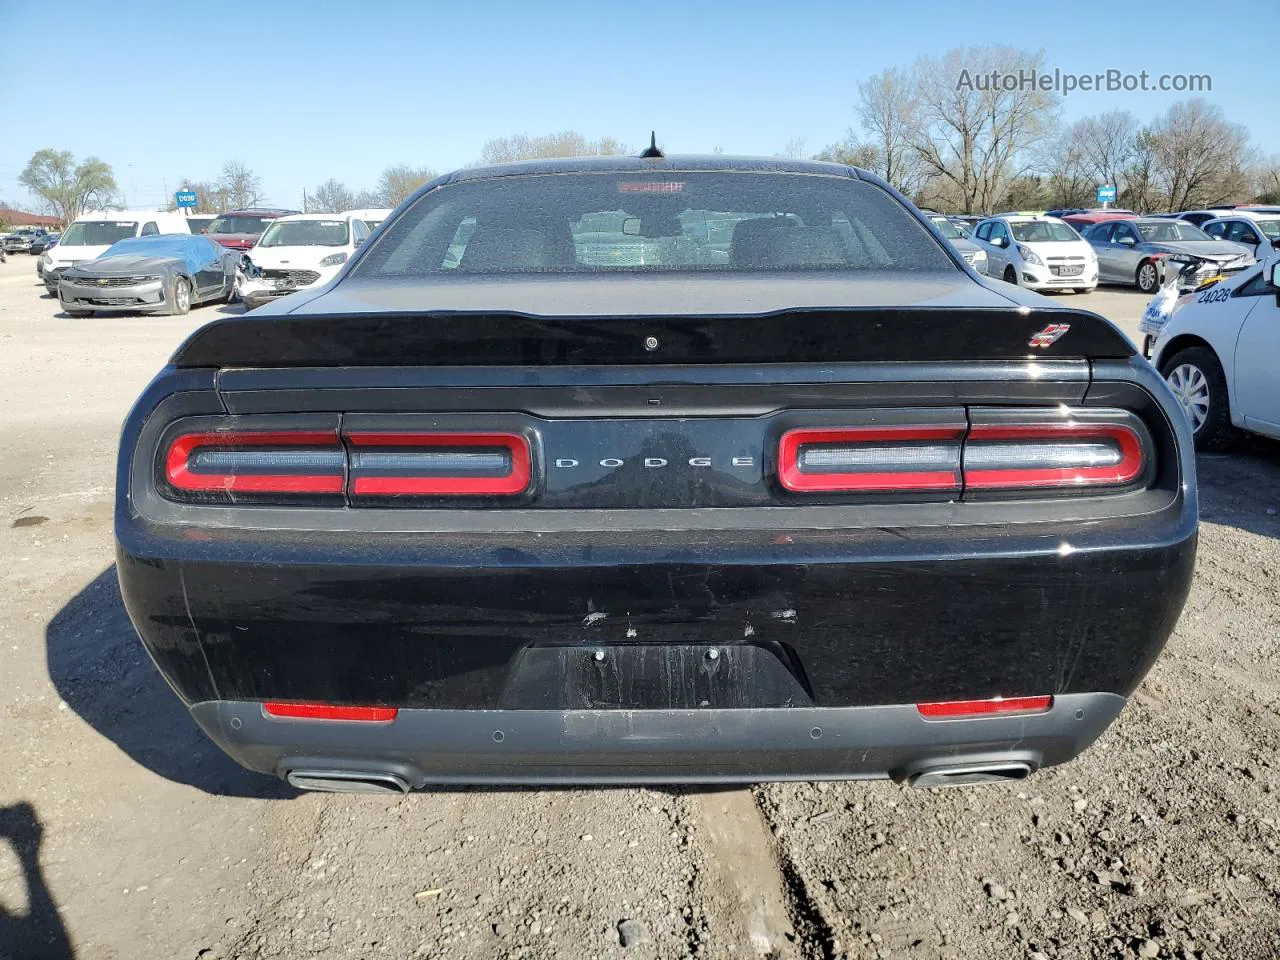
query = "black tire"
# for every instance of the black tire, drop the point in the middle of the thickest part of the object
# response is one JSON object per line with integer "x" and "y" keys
{"x": 180, "y": 297}
{"x": 1010, "y": 276}
{"x": 77, "y": 314}
{"x": 1147, "y": 276}
{"x": 1214, "y": 431}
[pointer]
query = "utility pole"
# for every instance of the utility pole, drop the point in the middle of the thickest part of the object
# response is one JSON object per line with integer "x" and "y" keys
{"x": 304, "y": 199}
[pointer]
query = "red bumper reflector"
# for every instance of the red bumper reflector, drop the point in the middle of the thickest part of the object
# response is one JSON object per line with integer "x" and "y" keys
{"x": 180, "y": 475}
{"x": 513, "y": 480}
{"x": 956, "y": 709}
{"x": 321, "y": 711}
{"x": 874, "y": 459}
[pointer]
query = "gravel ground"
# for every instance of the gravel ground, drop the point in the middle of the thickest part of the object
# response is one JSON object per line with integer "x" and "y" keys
{"x": 128, "y": 835}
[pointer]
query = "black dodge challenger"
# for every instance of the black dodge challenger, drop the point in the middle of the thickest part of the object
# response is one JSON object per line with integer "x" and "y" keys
{"x": 655, "y": 469}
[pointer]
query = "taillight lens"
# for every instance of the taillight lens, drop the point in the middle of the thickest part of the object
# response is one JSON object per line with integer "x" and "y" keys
{"x": 999, "y": 452}
{"x": 994, "y": 706}
{"x": 870, "y": 459}
{"x": 256, "y": 462}
{"x": 439, "y": 464}
{"x": 1057, "y": 454}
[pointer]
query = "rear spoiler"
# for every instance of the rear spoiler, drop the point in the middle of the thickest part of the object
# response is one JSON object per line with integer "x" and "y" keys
{"x": 828, "y": 336}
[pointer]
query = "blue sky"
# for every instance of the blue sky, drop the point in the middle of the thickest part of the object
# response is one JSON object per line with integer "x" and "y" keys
{"x": 306, "y": 91}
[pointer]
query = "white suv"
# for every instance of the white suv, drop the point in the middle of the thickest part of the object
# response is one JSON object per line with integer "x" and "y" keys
{"x": 298, "y": 252}
{"x": 1041, "y": 253}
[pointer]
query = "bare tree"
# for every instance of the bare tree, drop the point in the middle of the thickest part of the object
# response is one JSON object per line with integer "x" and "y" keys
{"x": 1025, "y": 192}
{"x": 1266, "y": 179}
{"x": 973, "y": 130}
{"x": 396, "y": 183}
{"x": 366, "y": 200}
{"x": 242, "y": 187}
{"x": 889, "y": 108}
{"x": 794, "y": 148}
{"x": 1106, "y": 143}
{"x": 1069, "y": 180}
{"x": 210, "y": 198}
{"x": 851, "y": 153}
{"x": 1141, "y": 191}
{"x": 567, "y": 143}
{"x": 1199, "y": 155}
{"x": 332, "y": 196}
{"x": 68, "y": 188}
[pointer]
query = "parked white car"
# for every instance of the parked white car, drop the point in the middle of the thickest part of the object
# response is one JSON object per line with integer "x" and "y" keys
{"x": 298, "y": 252}
{"x": 92, "y": 233}
{"x": 372, "y": 216}
{"x": 1257, "y": 231}
{"x": 1040, "y": 253}
{"x": 1219, "y": 348}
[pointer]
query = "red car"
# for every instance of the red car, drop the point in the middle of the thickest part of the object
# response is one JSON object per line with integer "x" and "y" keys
{"x": 240, "y": 229}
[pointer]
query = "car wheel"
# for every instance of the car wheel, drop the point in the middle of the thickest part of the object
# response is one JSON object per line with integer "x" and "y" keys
{"x": 1197, "y": 380}
{"x": 77, "y": 314}
{"x": 180, "y": 297}
{"x": 1010, "y": 276}
{"x": 1148, "y": 277}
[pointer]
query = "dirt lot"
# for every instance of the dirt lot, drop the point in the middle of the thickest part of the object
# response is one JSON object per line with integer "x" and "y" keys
{"x": 128, "y": 835}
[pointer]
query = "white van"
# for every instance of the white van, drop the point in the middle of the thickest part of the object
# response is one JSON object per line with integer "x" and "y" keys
{"x": 372, "y": 216}
{"x": 91, "y": 234}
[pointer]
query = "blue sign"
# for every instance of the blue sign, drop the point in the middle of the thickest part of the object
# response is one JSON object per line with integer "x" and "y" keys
{"x": 186, "y": 198}
{"x": 1106, "y": 194}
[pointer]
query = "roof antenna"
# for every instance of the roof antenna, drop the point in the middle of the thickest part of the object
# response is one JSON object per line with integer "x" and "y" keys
{"x": 652, "y": 152}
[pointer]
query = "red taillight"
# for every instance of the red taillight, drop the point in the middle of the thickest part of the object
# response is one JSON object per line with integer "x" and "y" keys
{"x": 869, "y": 459}
{"x": 280, "y": 461}
{"x": 324, "y": 711}
{"x": 1057, "y": 454}
{"x": 958, "y": 709}
{"x": 439, "y": 464}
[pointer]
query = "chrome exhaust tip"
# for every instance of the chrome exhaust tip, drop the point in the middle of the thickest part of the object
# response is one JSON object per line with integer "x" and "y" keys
{"x": 347, "y": 781}
{"x": 964, "y": 775}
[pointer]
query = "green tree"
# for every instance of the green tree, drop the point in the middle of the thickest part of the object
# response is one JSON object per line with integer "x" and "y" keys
{"x": 68, "y": 188}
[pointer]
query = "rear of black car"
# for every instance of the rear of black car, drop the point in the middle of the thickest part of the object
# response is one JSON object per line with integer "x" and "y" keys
{"x": 792, "y": 500}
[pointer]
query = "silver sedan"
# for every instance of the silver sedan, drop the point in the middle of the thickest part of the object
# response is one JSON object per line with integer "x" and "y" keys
{"x": 1132, "y": 251}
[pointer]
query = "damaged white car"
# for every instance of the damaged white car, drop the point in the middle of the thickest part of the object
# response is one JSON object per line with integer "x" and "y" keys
{"x": 298, "y": 252}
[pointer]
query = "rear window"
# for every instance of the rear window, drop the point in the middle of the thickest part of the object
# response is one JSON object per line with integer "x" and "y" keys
{"x": 1042, "y": 231}
{"x": 1172, "y": 231}
{"x": 98, "y": 233}
{"x": 305, "y": 233}
{"x": 254, "y": 225}
{"x": 947, "y": 228}
{"x": 647, "y": 223}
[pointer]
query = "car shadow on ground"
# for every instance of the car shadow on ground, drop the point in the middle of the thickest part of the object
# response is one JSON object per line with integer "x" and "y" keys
{"x": 38, "y": 932}
{"x": 101, "y": 671}
{"x": 1239, "y": 485}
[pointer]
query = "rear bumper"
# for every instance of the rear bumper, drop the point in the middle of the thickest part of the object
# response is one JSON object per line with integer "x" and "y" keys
{"x": 425, "y": 747}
